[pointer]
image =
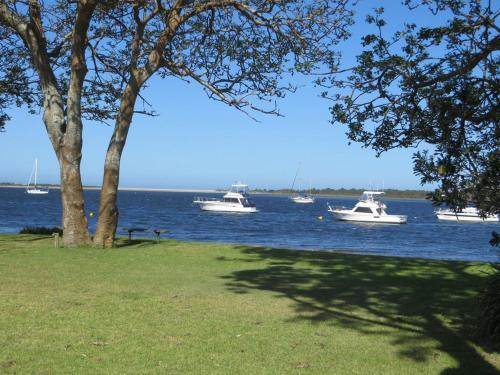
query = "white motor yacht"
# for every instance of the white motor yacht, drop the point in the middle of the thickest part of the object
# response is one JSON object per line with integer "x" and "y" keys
{"x": 468, "y": 214}
{"x": 235, "y": 200}
{"x": 370, "y": 208}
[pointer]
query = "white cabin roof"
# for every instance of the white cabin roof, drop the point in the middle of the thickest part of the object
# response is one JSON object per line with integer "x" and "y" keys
{"x": 373, "y": 192}
{"x": 239, "y": 188}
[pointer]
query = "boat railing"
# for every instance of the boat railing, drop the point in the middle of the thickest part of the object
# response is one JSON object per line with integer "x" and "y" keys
{"x": 205, "y": 199}
{"x": 332, "y": 208}
{"x": 448, "y": 211}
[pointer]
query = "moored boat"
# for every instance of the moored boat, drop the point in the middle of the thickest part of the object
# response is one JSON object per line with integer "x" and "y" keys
{"x": 370, "y": 209}
{"x": 34, "y": 189}
{"x": 304, "y": 199}
{"x": 235, "y": 200}
{"x": 301, "y": 198}
{"x": 468, "y": 214}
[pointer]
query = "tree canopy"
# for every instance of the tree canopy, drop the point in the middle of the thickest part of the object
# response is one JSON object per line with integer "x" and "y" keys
{"x": 14, "y": 81}
{"x": 435, "y": 88}
{"x": 240, "y": 52}
{"x": 90, "y": 60}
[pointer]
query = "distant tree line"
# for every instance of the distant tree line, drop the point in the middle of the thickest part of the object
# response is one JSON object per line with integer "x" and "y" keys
{"x": 391, "y": 193}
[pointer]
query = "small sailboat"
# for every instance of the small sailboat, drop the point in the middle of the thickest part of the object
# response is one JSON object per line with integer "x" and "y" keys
{"x": 301, "y": 198}
{"x": 34, "y": 189}
{"x": 304, "y": 199}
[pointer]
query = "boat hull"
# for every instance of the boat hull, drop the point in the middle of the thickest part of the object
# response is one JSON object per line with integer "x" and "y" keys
{"x": 37, "y": 191}
{"x": 302, "y": 200}
{"x": 368, "y": 218}
{"x": 466, "y": 218}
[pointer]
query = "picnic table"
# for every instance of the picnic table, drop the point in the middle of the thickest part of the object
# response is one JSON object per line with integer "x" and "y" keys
{"x": 156, "y": 231}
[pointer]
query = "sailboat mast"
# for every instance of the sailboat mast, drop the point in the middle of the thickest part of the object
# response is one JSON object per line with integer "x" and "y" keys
{"x": 296, "y": 174}
{"x": 36, "y": 170}
{"x": 31, "y": 176}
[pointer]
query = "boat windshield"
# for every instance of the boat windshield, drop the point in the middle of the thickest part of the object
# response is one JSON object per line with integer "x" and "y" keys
{"x": 246, "y": 202}
{"x": 375, "y": 196}
{"x": 365, "y": 210}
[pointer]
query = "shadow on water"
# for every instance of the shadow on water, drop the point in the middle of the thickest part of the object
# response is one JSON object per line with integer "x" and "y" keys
{"x": 408, "y": 300}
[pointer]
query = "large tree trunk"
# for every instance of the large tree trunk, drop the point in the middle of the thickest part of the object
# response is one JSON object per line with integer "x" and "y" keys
{"x": 108, "y": 209}
{"x": 64, "y": 126}
{"x": 68, "y": 152}
{"x": 75, "y": 226}
{"x": 67, "y": 146}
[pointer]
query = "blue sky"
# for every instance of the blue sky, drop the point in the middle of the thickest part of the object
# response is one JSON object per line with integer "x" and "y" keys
{"x": 199, "y": 143}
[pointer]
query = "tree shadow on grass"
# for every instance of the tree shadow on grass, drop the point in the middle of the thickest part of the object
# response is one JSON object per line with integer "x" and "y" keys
{"x": 124, "y": 242}
{"x": 408, "y": 300}
{"x": 27, "y": 237}
{"x": 23, "y": 242}
{"x": 120, "y": 242}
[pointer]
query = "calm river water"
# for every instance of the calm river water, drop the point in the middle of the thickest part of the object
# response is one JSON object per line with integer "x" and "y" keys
{"x": 280, "y": 223}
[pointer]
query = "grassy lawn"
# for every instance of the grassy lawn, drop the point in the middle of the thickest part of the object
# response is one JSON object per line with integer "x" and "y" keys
{"x": 191, "y": 308}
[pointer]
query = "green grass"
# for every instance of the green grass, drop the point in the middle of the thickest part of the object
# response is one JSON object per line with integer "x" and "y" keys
{"x": 190, "y": 308}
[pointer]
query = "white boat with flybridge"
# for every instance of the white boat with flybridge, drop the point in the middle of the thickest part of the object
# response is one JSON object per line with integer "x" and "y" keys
{"x": 299, "y": 197}
{"x": 468, "y": 214}
{"x": 370, "y": 209}
{"x": 236, "y": 199}
{"x": 33, "y": 189}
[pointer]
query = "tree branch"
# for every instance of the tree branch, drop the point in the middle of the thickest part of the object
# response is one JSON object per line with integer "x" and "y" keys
{"x": 33, "y": 37}
{"x": 73, "y": 135}
{"x": 471, "y": 64}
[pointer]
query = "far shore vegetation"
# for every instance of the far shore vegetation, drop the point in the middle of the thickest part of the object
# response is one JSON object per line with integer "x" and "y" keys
{"x": 205, "y": 308}
{"x": 390, "y": 193}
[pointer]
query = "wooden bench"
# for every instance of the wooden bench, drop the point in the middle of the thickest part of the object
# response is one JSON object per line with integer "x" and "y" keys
{"x": 156, "y": 231}
{"x": 134, "y": 229}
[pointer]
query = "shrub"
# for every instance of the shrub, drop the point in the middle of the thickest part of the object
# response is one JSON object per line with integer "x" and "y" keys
{"x": 490, "y": 309}
{"x": 41, "y": 230}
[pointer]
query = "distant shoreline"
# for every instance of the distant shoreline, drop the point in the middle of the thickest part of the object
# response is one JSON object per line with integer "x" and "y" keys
{"x": 256, "y": 192}
{"x": 163, "y": 190}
